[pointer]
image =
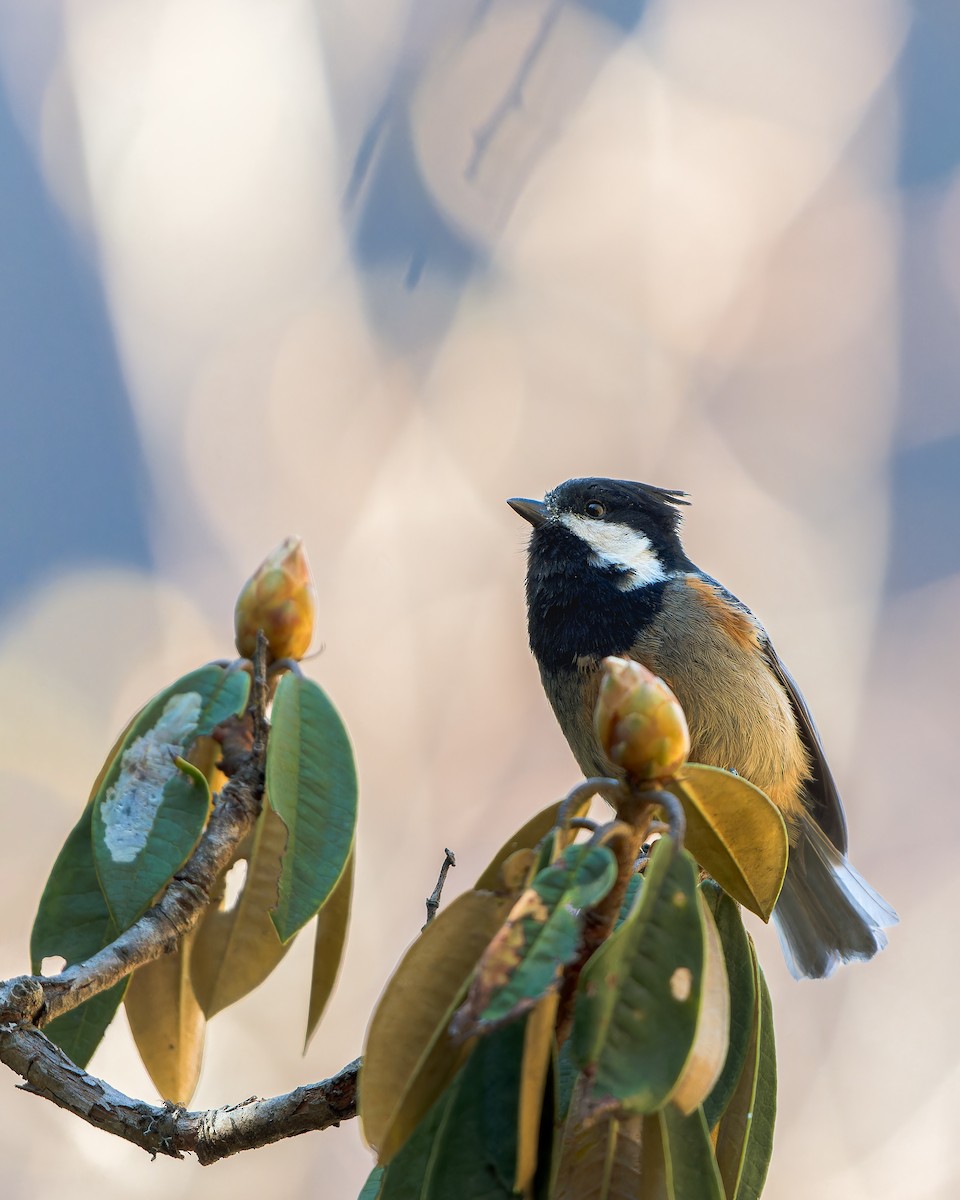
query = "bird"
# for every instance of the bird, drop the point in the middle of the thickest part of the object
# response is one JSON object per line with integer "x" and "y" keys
{"x": 607, "y": 575}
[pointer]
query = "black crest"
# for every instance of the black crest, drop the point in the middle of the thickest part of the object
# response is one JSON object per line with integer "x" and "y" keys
{"x": 577, "y": 607}
{"x": 653, "y": 511}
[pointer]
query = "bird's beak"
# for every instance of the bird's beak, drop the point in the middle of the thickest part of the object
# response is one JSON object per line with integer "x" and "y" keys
{"x": 534, "y": 511}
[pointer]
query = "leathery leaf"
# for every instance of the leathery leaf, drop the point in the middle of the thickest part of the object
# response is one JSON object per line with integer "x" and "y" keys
{"x": 744, "y": 1137}
{"x": 640, "y": 996}
{"x": 735, "y": 833}
{"x": 312, "y": 783}
{"x": 409, "y": 1056}
{"x": 73, "y": 922}
{"x": 149, "y": 810}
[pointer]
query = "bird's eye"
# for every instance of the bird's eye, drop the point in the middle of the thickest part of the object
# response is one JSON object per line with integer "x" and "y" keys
{"x": 595, "y": 509}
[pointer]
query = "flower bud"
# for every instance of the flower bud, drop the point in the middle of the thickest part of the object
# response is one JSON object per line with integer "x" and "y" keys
{"x": 639, "y": 721}
{"x": 279, "y": 598}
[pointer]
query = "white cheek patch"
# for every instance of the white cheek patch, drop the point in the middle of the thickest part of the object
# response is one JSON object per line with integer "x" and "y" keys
{"x": 618, "y": 546}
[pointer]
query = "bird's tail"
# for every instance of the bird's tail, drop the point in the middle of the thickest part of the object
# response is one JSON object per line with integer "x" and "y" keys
{"x": 826, "y": 914}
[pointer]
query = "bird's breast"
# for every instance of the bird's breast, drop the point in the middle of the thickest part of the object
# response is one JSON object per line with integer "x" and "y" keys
{"x": 709, "y": 652}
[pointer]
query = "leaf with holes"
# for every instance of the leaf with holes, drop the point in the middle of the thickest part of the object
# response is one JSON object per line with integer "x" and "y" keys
{"x": 237, "y": 947}
{"x": 640, "y": 996}
{"x": 709, "y": 1051}
{"x": 73, "y": 922}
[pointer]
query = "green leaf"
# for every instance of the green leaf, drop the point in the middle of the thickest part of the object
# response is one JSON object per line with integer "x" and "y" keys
{"x": 634, "y": 884}
{"x": 639, "y": 1000}
{"x": 744, "y": 1141}
{"x": 466, "y": 1147}
{"x": 312, "y": 783}
{"x": 406, "y": 1177}
{"x": 735, "y": 833}
{"x": 371, "y": 1189}
{"x": 73, "y": 922}
{"x": 709, "y": 1051}
{"x": 148, "y": 814}
{"x": 691, "y": 1170}
{"x": 740, "y": 975}
{"x": 525, "y": 960}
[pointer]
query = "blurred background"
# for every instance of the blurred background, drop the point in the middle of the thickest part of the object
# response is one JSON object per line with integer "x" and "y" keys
{"x": 360, "y": 272}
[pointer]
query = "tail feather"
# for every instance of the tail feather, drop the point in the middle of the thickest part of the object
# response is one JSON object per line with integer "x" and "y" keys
{"x": 827, "y": 913}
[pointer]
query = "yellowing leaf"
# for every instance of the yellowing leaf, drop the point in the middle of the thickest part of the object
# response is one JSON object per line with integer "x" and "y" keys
{"x": 738, "y": 957}
{"x": 409, "y": 1057}
{"x": 236, "y": 949}
{"x": 331, "y": 934}
{"x": 526, "y": 838}
{"x": 517, "y": 869}
{"x": 709, "y": 1051}
{"x": 654, "y": 1184}
{"x": 538, "y": 1048}
{"x": 167, "y": 1024}
{"x": 735, "y": 833}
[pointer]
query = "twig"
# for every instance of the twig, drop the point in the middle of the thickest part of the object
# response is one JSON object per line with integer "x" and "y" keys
{"x": 165, "y": 1129}
{"x": 433, "y": 900}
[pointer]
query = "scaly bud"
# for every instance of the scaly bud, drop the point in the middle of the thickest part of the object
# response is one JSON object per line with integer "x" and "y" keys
{"x": 279, "y": 598}
{"x": 639, "y": 721}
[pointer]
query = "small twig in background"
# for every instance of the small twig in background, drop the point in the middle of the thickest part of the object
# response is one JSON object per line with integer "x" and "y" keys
{"x": 433, "y": 900}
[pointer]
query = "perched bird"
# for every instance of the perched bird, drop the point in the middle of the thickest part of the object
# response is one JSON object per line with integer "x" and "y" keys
{"x": 607, "y": 574}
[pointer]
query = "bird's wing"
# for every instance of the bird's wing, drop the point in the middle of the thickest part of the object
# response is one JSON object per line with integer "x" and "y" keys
{"x": 825, "y": 806}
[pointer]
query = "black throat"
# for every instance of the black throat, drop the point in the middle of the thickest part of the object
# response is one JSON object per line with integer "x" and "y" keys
{"x": 576, "y": 608}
